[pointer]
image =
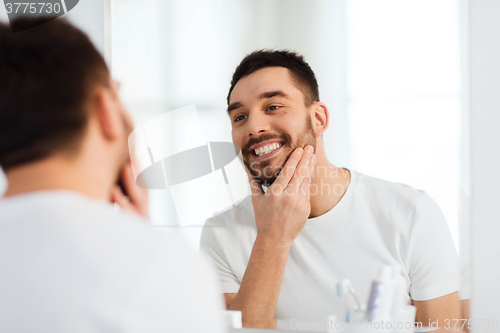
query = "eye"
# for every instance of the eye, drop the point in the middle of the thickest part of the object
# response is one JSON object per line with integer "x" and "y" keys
{"x": 273, "y": 108}
{"x": 238, "y": 118}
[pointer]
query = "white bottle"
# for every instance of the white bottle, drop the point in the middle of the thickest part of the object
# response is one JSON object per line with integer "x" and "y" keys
{"x": 405, "y": 316}
{"x": 380, "y": 302}
{"x": 231, "y": 319}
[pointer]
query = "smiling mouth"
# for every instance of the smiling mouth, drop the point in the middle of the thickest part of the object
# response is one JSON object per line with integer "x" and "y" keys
{"x": 265, "y": 150}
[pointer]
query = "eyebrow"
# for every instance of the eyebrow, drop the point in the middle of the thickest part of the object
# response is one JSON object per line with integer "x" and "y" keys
{"x": 234, "y": 106}
{"x": 270, "y": 94}
{"x": 264, "y": 95}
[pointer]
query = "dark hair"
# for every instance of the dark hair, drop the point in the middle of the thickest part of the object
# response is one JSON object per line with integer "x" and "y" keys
{"x": 47, "y": 74}
{"x": 300, "y": 71}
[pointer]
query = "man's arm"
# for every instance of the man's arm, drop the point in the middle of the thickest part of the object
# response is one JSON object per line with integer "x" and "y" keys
{"x": 229, "y": 298}
{"x": 434, "y": 266}
{"x": 439, "y": 309}
{"x": 280, "y": 215}
{"x": 466, "y": 313}
{"x": 260, "y": 287}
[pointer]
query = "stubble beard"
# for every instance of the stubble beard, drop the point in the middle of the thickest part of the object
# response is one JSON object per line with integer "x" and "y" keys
{"x": 263, "y": 172}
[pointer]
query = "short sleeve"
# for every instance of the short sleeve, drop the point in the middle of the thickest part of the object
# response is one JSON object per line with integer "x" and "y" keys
{"x": 434, "y": 265}
{"x": 211, "y": 247}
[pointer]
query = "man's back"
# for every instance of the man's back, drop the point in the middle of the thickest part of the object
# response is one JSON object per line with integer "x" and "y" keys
{"x": 72, "y": 264}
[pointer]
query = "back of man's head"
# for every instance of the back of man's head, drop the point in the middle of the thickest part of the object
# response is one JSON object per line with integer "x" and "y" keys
{"x": 47, "y": 76}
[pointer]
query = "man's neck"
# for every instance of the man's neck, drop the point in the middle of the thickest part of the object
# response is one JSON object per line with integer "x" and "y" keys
{"x": 58, "y": 173}
{"x": 328, "y": 186}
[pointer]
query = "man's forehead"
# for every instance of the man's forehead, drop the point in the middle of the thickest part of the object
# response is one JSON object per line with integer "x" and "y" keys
{"x": 253, "y": 86}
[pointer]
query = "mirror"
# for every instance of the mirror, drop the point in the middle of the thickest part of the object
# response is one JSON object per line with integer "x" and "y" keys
{"x": 389, "y": 72}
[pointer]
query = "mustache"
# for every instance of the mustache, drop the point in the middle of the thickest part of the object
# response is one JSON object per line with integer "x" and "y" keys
{"x": 284, "y": 137}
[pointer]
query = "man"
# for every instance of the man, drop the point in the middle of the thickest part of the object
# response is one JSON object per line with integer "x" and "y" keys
{"x": 69, "y": 261}
{"x": 277, "y": 260}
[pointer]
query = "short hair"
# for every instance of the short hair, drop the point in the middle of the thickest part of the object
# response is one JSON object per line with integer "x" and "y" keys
{"x": 300, "y": 70}
{"x": 47, "y": 75}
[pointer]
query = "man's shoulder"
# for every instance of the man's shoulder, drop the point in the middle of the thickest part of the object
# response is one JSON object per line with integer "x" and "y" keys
{"x": 388, "y": 191}
{"x": 65, "y": 215}
{"x": 390, "y": 198}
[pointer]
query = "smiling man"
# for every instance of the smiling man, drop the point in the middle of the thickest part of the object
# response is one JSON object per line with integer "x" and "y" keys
{"x": 279, "y": 255}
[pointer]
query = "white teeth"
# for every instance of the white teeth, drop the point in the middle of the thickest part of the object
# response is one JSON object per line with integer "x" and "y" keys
{"x": 266, "y": 149}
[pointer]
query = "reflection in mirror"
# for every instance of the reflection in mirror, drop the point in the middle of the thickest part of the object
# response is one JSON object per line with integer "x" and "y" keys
{"x": 389, "y": 74}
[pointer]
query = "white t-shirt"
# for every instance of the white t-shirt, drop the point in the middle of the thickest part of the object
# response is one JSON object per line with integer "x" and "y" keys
{"x": 73, "y": 264}
{"x": 376, "y": 222}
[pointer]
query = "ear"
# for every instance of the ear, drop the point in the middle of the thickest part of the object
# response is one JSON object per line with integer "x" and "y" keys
{"x": 107, "y": 113}
{"x": 320, "y": 118}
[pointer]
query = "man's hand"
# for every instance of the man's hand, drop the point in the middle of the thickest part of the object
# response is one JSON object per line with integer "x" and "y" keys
{"x": 135, "y": 199}
{"x": 282, "y": 211}
{"x": 280, "y": 215}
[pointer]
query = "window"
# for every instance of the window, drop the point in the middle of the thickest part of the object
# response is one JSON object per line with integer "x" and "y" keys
{"x": 404, "y": 95}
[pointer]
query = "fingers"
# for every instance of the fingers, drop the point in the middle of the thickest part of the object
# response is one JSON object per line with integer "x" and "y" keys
{"x": 135, "y": 193}
{"x": 118, "y": 197}
{"x": 305, "y": 186}
{"x": 125, "y": 203}
{"x": 254, "y": 185}
{"x": 302, "y": 170}
{"x": 288, "y": 170}
{"x": 136, "y": 198}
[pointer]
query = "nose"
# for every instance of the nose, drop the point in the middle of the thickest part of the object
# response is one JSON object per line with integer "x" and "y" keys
{"x": 257, "y": 124}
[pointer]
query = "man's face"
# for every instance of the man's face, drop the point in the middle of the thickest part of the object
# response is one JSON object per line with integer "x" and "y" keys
{"x": 269, "y": 120}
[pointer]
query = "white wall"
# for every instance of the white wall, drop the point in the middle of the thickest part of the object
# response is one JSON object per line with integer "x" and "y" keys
{"x": 403, "y": 96}
{"x": 484, "y": 92}
{"x": 88, "y": 15}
